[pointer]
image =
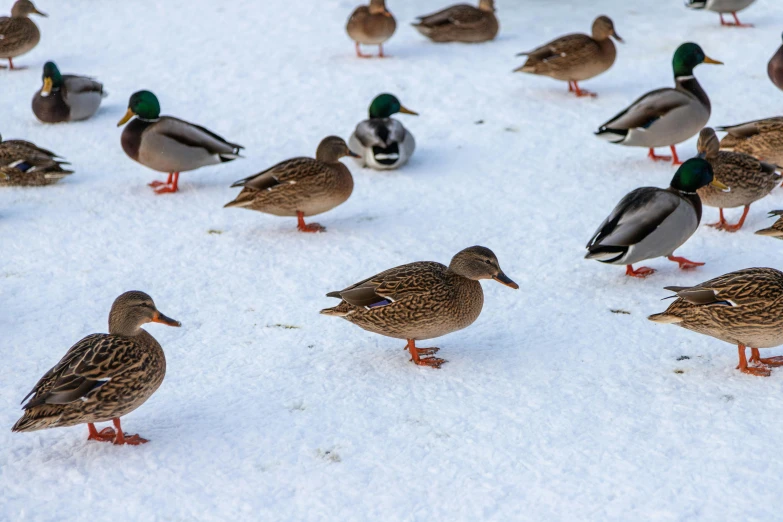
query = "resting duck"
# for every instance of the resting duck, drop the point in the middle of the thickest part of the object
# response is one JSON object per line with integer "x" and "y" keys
{"x": 66, "y": 97}
{"x": 371, "y": 25}
{"x": 721, "y": 7}
{"x": 18, "y": 34}
{"x": 461, "y": 23}
{"x": 381, "y": 141}
{"x": 776, "y": 230}
{"x": 760, "y": 138}
{"x": 23, "y": 164}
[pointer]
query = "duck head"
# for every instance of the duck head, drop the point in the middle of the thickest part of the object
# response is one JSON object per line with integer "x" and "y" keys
{"x": 143, "y": 104}
{"x": 693, "y": 175}
{"x": 603, "y": 28}
{"x": 708, "y": 144}
{"x": 332, "y": 148}
{"x": 24, "y": 8}
{"x": 478, "y": 262}
{"x": 687, "y": 56}
{"x": 52, "y": 79}
{"x": 384, "y": 105}
{"x": 133, "y": 309}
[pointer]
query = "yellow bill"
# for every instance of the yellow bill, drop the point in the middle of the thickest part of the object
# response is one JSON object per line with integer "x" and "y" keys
{"x": 707, "y": 59}
{"x": 128, "y": 115}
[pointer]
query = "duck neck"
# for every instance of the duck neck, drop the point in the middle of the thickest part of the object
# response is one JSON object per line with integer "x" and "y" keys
{"x": 689, "y": 84}
{"x": 692, "y": 198}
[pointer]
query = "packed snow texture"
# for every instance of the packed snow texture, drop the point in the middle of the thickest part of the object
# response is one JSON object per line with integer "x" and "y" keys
{"x": 554, "y": 405}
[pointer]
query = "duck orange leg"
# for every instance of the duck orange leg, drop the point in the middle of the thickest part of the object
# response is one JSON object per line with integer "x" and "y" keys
{"x": 582, "y": 93}
{"x": 736, "y": 23}
{"x": 11, "y": 67}
{"x": 675, "y": 159}
{"x": 171, "y": 186}
{"x": 640, "y": 272}
{"x": 304, "y": 227}
{"x": 359, "y": 52}
{"x": 653, "y": 156}
{"x": 684, "y": 263}
{"x": 416, "y": 354}
{"x": 121, "y": 438}
{"x": 157, "y": 183}
{"x": 752, "y": 370}
{"x": 724, "y": 225}
{"x": 105, "y": 435}
{"x": 755, "y": 357}
{"x": 380, "y": 52}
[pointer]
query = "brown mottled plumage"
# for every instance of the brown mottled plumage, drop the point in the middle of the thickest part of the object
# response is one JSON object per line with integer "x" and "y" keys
{"x": 776, "y": 230}
{"x": 103, "y": 376}
{"x": 18, "y": 34}
{"x": 300, "y": 186}
{"x": 575, "y": 57}
{"x": 747, "y": 178}
{"x": 371, "y": 24}
{"x": 421, "y": 300}
{"x": 24, "y": 164}
{"x": 461, "y": 23}
{"x": 743, "y": 308}
{"x": 760, "y": 138}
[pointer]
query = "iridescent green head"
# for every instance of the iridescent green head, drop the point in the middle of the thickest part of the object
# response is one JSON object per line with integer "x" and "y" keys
{"x": 52, "y": 79}
{"x": 143, "y": 104}
{"x": 693, "y": 175}
{"x": 384, "y": 105}
{"x": 687, "y": 56}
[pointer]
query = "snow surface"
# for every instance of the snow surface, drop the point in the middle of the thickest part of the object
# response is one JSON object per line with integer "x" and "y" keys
{"x": 551, "y": 407}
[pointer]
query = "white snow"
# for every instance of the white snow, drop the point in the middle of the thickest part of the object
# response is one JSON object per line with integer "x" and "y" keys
{"x": 551, "y": 407}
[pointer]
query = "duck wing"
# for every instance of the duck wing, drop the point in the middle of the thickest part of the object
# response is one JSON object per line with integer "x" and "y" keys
{"x": 285, "y": 172}
{"x": 568, "y": 49}
{"x": 82, "y": 84}
{"x": 192, "y": 135}
{"x": 390, "y": 285}
{"x": 461, "y": 14}
{"x": 380, "y": 132}
{"x": 646, "y": 110}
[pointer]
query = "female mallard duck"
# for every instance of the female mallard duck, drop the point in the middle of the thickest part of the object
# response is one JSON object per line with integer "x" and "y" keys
{"x": 381, "y": 141}
{"x": 421, "y": 300}
{"x": 103, "y": 376}
{"x": 300, "y": 186}
{"x": 461, "y": 23}
{"x": 168, "y": 144}
{"x": 651, "y": 222}
{"x": 776, "y": 230}
{"x": 748, "y": 179}
{"x": 18, "y": 34}
{"x": 743, "y": 308}
{"x": 665, "y": 117}
{"x": 721, "y": 7}
{"x": 575, "y": 57}
{"x": 371, "y": 25}
{"x": 66, "y": 97}
{"x": 775, "y": 68}
{"x": 760, "y": 138}
{"x": 23, "y": 164}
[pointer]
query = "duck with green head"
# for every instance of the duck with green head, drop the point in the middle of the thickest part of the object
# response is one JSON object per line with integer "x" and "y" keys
{"x": 66, "y": 97}
{"x": 652, "y": 222}
{"x": 18, "y": 34}
{"x": 381, "y": 141}
{"x": 168, "y": 144}
{"x": 668, "y": 116}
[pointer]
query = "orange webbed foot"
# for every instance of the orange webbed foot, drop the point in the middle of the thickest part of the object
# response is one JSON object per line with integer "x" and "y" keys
{"x": 133, "y": 440}
{"x": 311, "y": 228}
{"x": 758, "y": 371}
{"x": 641, "y": 272}
{"x": 105, "y": 435}
{"x": 685, "y": 264}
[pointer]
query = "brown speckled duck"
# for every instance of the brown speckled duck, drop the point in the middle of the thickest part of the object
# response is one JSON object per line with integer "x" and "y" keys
{"x": 300, "y": 186}
{"x": 575, "y": 57}
{"x": 103, "y": 376}
{"x": 18, "y": 34}
{"x": 461, "y": 23}
{"x": 66, "y": 97}
{"x": 776, "y": 230}
{"x": 371, "y": 25}
{"x": 743, "y": 308}
{"x": 760, "y": 138}
{"x": 23, "y": 164}
{"x": 421, "y": 300}
{"x": 748, "y": 179}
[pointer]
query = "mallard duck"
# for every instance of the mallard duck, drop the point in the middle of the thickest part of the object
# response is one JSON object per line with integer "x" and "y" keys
{"x": 668, "y": 116}
{"x": 461, "y": 23}
{"x": 721, "y": 7}
{"x": 381, "y": 141}
{"x": 24, "y": 164}
{"x": 743, "y": 308}
{"x": 371, "y": 25}
{"x": 575, "y": 57}
{"x": 776, "y": 230}
{"x": 421, "y": 300}
{"x": 748, "y": 179}
{"x": 168, "y": 144}
{"x": 18, "y": 34}
{"x": 300, "y": 186}
{"x": 760, "y": 138}
{"x": 775, "y": 68}
{"x": 104, "y": 376}
{"x": 66, "y": 97}
{"x": 651, "y": 222}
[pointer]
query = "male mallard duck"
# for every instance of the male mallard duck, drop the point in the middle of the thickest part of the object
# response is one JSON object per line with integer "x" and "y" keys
{"x": 651, "y": 222}
{"x": 103, "y": 376}
{"x": 66, "y": 97}
{"x": 665, "y": 117}
{"x": 760, "y": 138}
{"x": 371, "y": 25}
{"x": 461, "y": 23}
{"x": 776, "y": 230}
{"x": 721, "y": 7}
{"x": 300, "y": 186}
{"x": 775, "y": 68}
{"x": 381, "y": 141}
{"x": 421, "y": 300}
{"x": 575, "y": 57}
{"x": 26, "y": 165}
{"x": 743, "y": 308}
{"x": 18, "y": 34}
{"x": 748, "y": 179}
{"x": 168, "y": 144}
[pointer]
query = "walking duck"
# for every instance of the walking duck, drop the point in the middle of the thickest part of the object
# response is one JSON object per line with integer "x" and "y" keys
{"x": 300, "y": 187}
{"x": 421, "y": 300}
{"x": 652, "y": 222}
{"x": 371, "y": 25}
{"x": 743, "y": 308}
{"x": 461, "y": 23}
{"x": 575, "y": 57}
{"x": 104, "y": 376}
{"x": 776, "y": 230}
{"x": 381, "y": 141}
{"x": 18, "y": 34}
{"x": 66, "y": 97}
{"x": 168, "y": 144}
{"x": 722, "y": 7}
{"x": 760, "y": 138}
{"x": 668, "y": 116}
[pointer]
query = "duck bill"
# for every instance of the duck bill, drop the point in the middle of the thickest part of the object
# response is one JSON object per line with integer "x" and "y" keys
{"x": 46, "y": 90}
{"x": 128, "y": 115}
{"x": 505, "y": 280}
{"x": 718, "y": 185}
{"x": 405, "y": 110}
{"x": 162, "y": 319}
{"x": 39, "y": 13}
{"x": 707, "y": 59}
{"x": 702, "y": 155}
{"x": 617, "y": 37}
{"x": 353, "y": 154}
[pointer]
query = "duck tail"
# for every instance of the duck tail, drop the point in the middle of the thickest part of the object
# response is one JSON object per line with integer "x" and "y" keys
{"x": 612, "y": 135}
{"x": 696, "y": 4}
{"x": 665, "y": 318}
{"x": 31, "y": 422}
{"x": 771, "y": 232}
{"x": 231, "y": 156}
{"x": 334, "y": 312}
{"x": 605, "y": 254}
